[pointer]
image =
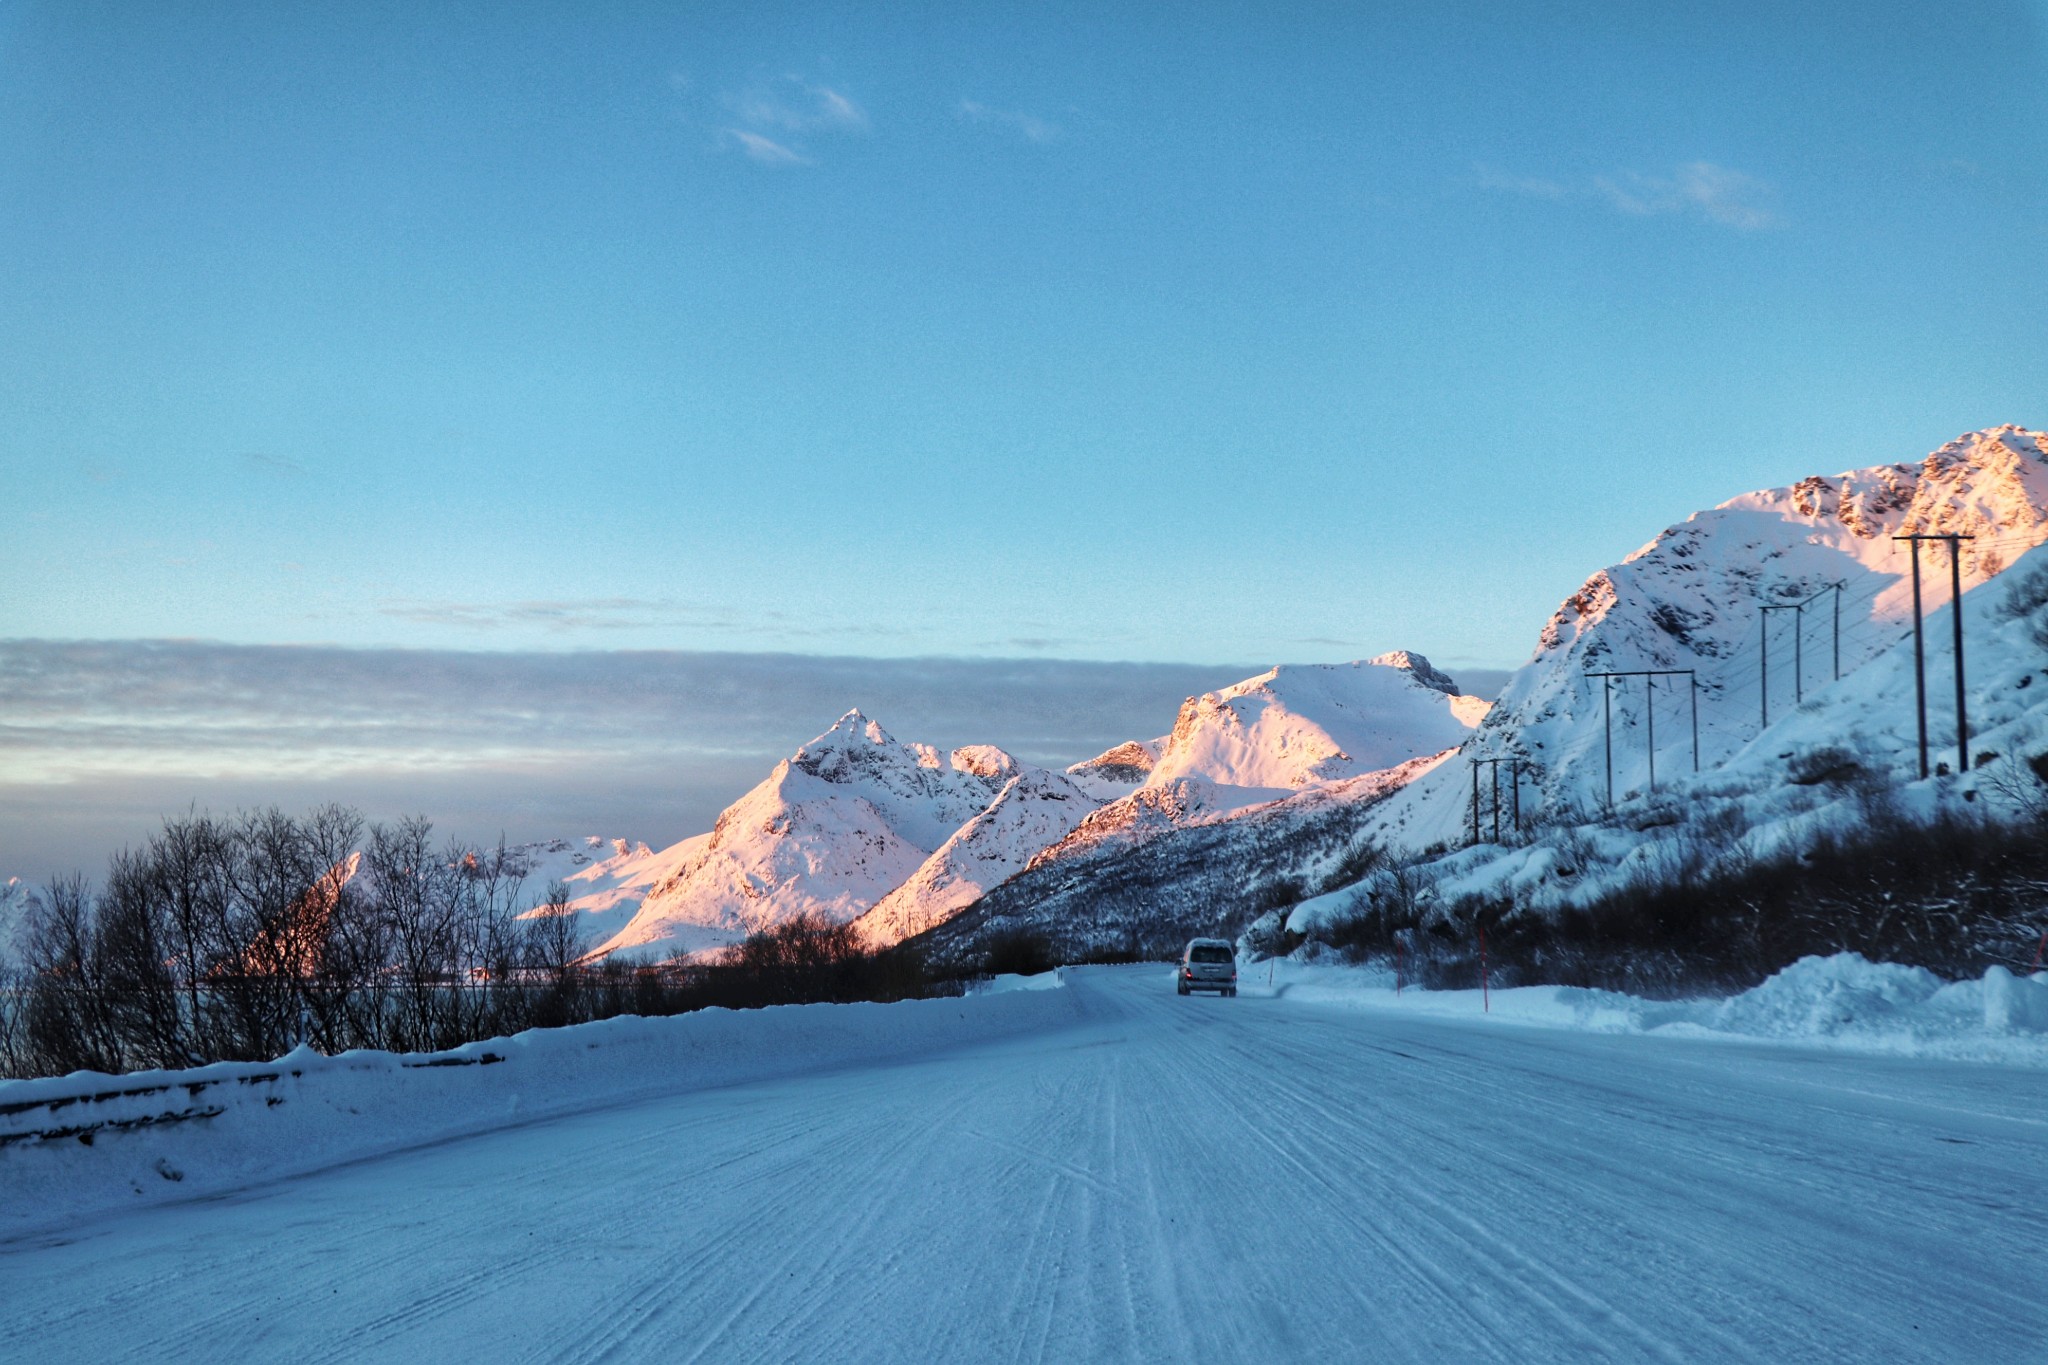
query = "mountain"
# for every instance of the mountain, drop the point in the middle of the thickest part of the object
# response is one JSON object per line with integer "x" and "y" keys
{"x": 1692, "y": 599}
{"x": 1830, "y": 766}
{"x": 837, "y": 826}
{"x": 1118, "y": 771}
{"x": 1296, "y": 725}
{"x": 1035, "y": 809}
{"x": 1291, "y": 728}
{"x": 1255, "y": 797}
{"x": 897, "y": 838}
{"x": 606, "y": 879}
{"x": 1244, "y": 806}
{"x": 1143, "y": 875}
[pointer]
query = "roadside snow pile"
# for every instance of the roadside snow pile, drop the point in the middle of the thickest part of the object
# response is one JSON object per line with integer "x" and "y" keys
{"x": 1844, "y": 1000}
{"x": 1005, "y": 982}
{"x": 73, "y": 1146}
{"x": 1847, "y": 993}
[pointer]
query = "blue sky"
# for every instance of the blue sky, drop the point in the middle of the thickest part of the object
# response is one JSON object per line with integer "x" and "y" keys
{"x": 771, "y": 337}
{"x": 1075, "y": 331}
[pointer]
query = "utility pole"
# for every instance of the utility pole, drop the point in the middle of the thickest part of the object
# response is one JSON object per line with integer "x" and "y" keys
{"x": 1496, "y": 800}
{"x": 1919, "y": 660}
{"x": 1607, "y": 699}
{"x": 1763, "y": 658}
{"x": 1955, "y": 612}
{"x": 1837, "y": 591}
{"x": 1798, "y": 610}
{"x": 1799, "y": 655}
{"x": 1650, "y": 711}
{"x": 1515, "y": 775}
{"x": 1695, "y": 723}
{"x": 1798, "y": 690}
{"x": 1650, "y": 675}
{"x": 1955, "y": 578}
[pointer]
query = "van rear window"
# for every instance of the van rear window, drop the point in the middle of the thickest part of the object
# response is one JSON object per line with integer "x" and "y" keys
{"x": 1208, "y": 954}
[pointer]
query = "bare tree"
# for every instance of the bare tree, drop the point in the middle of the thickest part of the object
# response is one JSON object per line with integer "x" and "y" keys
{"x": 66, "y": 1023}
{"x": 554, "y": 945}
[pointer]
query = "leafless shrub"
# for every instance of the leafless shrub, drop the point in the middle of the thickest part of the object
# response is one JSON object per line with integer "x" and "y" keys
{"x": 1576, "y": 850}
{"x": 2019, "y": 787}
{"x": 1835, "y": 765}
{"x": 2027, "y": 599}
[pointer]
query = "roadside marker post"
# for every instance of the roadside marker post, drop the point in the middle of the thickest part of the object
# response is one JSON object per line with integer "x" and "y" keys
{"x": 1485, "y": 990}
{"x": 2043, "y": 944}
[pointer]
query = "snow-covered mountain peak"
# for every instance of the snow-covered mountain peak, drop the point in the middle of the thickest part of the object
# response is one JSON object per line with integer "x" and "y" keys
{"x": 1992, "y": 484}
{"x": 1116, "y": 772}
{"x": 984, "y": 760}
{"x": 1419, "y": 668}
{"x": 1299, "y": 724}
{"x": 1815, "y": 552}
{"x": 1697, "y": 585}
{"x": 851, "y": 737}
{"x": 845, "y": 820}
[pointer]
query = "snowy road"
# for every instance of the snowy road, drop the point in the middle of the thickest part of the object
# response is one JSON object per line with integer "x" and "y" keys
{"x": 1169, "y": 1179}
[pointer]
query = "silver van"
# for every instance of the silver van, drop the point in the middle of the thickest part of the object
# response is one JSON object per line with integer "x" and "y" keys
{"x": 1209, "y": 964}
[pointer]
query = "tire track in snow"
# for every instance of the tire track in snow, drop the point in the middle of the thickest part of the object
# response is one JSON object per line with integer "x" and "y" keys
{"x": 1165, "y": 1180}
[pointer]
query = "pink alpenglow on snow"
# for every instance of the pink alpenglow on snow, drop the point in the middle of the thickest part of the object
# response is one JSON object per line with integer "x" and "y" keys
{"x": 1036, "y": 809}
{"x": 1300, "y": 724}
{"x": 837, "y": 826}
{"x": 1692, "y": 599}
{"x": 897, "y": 838}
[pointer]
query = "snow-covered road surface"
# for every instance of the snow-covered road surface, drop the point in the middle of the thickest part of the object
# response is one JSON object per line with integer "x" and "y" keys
{"x": 1168, "y": 1179}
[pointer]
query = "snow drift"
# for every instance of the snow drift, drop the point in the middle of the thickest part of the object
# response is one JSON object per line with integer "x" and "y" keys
{"x": 1840, "y": 1001}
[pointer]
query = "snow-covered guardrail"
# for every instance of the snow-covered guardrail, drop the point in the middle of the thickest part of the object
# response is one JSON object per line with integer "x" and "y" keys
{"x": 86, "y": 1104}
{"x": 72, "y": 1146}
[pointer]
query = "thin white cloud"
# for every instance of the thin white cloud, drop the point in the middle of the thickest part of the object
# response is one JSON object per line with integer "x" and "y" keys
{"x": 1027, "y": 126}
{"x": 836, "y": 110}
{"x": 766, "y": 150}
{"x": 777, "y": 122}
{"x": 1716, "y": 193}
{"x": 794, "y": 105}
{"x": 1702, "y": 189}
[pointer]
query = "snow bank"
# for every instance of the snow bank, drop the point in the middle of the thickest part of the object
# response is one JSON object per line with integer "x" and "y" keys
{"x": 77, "y": 1145}
{"x": 1006, "y": 982}
{"x": 1844, "y": 1000}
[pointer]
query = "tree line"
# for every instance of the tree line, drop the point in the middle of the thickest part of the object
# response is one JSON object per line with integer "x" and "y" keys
{"x": 240, "y": 937}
